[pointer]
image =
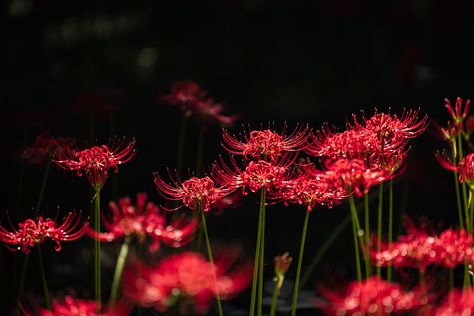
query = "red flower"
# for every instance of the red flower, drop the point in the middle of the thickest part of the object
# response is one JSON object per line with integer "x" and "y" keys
{"x": 267, "y": 144}
{"x": 46, "y": 147}
{"x": 192, "y": 100}
{"x": 256, "y": 175}
{"x": 70, "y": 306}
{"x": 353, "y": 176}
{"x": 456, "y": 115}
{"x": 96, "y": 161}
{"x": 186, "y": 275}
{"x": 420, "y": 248}
{"x": 34, "y": 232}
{"x": 373, "y": 297}
{"x": 456, "y": 303}
{"x": 195, "y": 193}
{"x": 144, "y": 219}
{"x": 465, "y": 167}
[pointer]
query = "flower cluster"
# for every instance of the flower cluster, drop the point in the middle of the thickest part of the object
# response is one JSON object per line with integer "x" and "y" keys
{"x": 186, "y": 275}
{"x": 71, "y": 306}
{"x": 421, "y": 248}
{"x": 455, "y": 303}
{"x": 192, "y": 100}
{"x": 465, "y": 168}
{"x": 34, "y": 232}
{"x": 96, "y": 161}
{"x": 45, "y": 147}
{"x": 373, "y": 297}
{"x": 141, "y": 220}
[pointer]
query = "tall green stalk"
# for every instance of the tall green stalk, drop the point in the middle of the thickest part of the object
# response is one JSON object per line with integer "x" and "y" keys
{"x": 390, "y": 224}
{"x": 298, "y": 269}
{"x": 97, "y": 285}
{"x": 121, "y": 259}
{"x": 276, "y": 294}
{"x": 253, "y": 295}
{"x": 47, "y": 298}
{"x": 355, "y": 233}
{"x": 262, "y": 253}
{"x": 211, "y": 259}
{"x": 379, "y": 226}
{"x": 456, "y": 184}
{"x": 368, "y": 269}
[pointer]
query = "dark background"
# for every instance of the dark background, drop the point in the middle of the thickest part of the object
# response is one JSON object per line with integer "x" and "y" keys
{"x": 293, "y": 61}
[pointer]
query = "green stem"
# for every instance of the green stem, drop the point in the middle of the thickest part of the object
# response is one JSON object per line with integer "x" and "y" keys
{"x": 368, "y": 271}
{"x": 22, "y": 277}
{"x": 181, "y": 143}
{"x": 276, "y": 293}
{"x": 262, "y": 253}
{"x": 253, "y": 295}
{"x": 390, "y": 224}
{"x": 298, "y": 269}
{"x": 43, "y": 187}
{"x": 355, "y": 232}
{"x": 121, "y": 259}
{"x": 456, "y": 185}
{"x": 98, "y": 296}
{"x": 379, "y": 226}
{"x": 200, "y": 152}
{"x": 47, "y": 298}
{"x": 463, "y": 186}
{"x": 211, "y": 259}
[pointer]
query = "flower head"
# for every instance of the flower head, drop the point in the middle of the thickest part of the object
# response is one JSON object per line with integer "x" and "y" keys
{"x": 46, "y": 147}
{"x": 195, "y": 193}
{"x": 141, "y": 220}
{"x": 373, "y": 297}
{"x": 185, "y": 275}
{"x": 96, "y": 161}
{"x": 465, "y": 168}
{"x": 71, "y": 306}
{"x": 457, "y": 114}
{"x": 34, "y": 232}
{"x": 267, "y": 144}
{"x": 281, "y": 265}
{"x": 456, "y": 303}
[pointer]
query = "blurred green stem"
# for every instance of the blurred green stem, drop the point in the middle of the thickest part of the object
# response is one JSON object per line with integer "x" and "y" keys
{"x": 300, "y": 260}
{"x": 121, "y": 259}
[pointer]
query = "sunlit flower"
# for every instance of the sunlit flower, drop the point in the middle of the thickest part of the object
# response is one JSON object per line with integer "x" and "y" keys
{"x": 34, "y": 232}
{"x": 456, "y": 303}
{"x": 421, "y": 247}
{"x": 257, "y": 174}
{"x": 186, "y": 275}
{"x": 142, "y": 220}
{"x": 193, "y": 100}
{"x": 372, "y": 297}
{"x": 71, "y": 306}
{"x": 96, "y": 161}
{"x": 353, "y": 176}
{"x": 267, "y": 144}
{"x": 195, "y": 193}
{"x": 45, "y": 147}
{"x": 465, "y": 168}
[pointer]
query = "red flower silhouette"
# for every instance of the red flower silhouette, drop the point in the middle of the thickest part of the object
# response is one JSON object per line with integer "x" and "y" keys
{"x": 373, "y": 297}
{"x": 34, "y": 232}
{"x": 46, "y": 147}
{"x": 456, "y": 303}
{"x": 187, "y": 275}
{"x": 195, "y": 193}
{"x": 465, "y": 168}
{"x": 96, "y": 161}
{"x": 141, "y": 220}
{"x": 267, "y": 145}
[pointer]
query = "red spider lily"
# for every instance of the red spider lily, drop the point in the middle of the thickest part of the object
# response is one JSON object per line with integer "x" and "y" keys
{"x": 353, "y": 176}
{"x": 421, "y": 248}
{"x": 256, "y": 175}
{"x": 144, "y": 219}
{"x": 232, "y": 200}
{"x": 70, "y": 306}
{"x": 187, "y": 275}
{"x": 192, "y": 100}
{"x": 195, "y": 193}
{"x": 281, "y": 266}
{"x": 267, "y": 144}
{"x": 34, "y": 232}
{"x": 309, "y": 191}
{"x": 96, "y": 161}
{"x": 456, "y": 115}
{"x": 373, "y": 297}
{"x": 455, "y": 303}
{"x": 46, "y": 147}
{"x": 465, "y": 168}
